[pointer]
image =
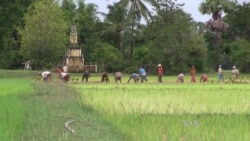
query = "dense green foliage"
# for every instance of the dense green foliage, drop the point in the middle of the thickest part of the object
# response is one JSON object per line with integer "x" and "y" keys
{"x": 236, "y": 18}
{"x": 169, "y": 37}
{"x": 175, "y": 42}
{"x": 11, "y": 15}
{"x": 237, "y": 37}
{"x": 240, "y": 52}
{"x": 44, "y": 34}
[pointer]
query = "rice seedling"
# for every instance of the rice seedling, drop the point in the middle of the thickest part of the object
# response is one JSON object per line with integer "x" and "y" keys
{"x": 173, "y": 111}
{"x": 151, "y": 111}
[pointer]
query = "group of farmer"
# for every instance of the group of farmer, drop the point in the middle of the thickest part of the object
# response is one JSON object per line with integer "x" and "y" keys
{"x": 62, "y": 74}
{"x": 140, "y": 76}
{"x": 204, "y": 77}
{"x": 235, "y": 74}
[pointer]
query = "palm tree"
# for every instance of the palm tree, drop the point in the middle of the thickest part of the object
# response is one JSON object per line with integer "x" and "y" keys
{"x": 137, "y": 9}
{"x": 116, "y": 22}
{"x": 216, "y": 24}
{"x": 69, "y": 8}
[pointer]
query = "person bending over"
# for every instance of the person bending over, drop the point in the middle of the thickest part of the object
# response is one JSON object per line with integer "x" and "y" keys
{"x": 204, "y": 78}
{"x": 105, "y": 77}
{"x": 85, "y": 75}
{"x": 180, "y": 78}
{"x": 64, "y": 76}
{"x": 46, "y": 75}
{"x": 118, "y": 77}
{"x": 134, "y": 76}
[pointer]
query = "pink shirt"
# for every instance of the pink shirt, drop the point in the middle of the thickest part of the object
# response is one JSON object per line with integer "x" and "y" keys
{"x": 118, "y": 74}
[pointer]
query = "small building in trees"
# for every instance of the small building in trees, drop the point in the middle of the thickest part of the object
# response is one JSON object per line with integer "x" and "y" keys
{"x": 74, "y": 59}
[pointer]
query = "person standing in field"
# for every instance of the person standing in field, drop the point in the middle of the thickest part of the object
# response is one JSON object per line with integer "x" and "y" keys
{"x": 235, "y": 73}
{"x": 220, "y": 74}
{"x": 118, "y": 77}
{"x": 193, "y": 73}
{"x": 143, "y": 74}
{"x": 134, "y": 76}
{"x": 105, "y": 77}
{"x": 204, "y": 78}
{"x": 160, "y": 73}
{"x": 85, "y": 75}
{"x": 46, "y": 75}
{"x": 65, "y": 68}
{"x": 180, "y": 78}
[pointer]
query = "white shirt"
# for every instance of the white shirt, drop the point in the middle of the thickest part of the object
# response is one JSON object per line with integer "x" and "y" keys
{"x": 220, "y": 71}
{"x": 65, "y": 69}
{"x": 45, "y": 74}
{"x": 64, "y": 74}
{"x": 235, "y": 71}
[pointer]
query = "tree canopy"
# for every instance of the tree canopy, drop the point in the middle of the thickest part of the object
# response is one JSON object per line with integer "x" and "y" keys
{"x": 43, "y": 38}
{"x": 39, "y": 31}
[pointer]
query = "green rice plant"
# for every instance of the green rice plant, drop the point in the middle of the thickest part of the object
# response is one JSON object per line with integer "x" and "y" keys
{"x": 77, "y": 79}
{"x": 11, "y": 108}
{"x": 17, "y": 73}
{"x": 15, "y": 86}
{"x": 147, "y": 97}
{"x": 12, "y": 116}
{"x": 124, "y": 112}
{"x": 72, "y": 79}
{"x": 173, "y": 111}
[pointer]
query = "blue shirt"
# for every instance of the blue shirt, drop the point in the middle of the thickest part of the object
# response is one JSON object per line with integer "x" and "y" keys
{"x": 142, "y": 71}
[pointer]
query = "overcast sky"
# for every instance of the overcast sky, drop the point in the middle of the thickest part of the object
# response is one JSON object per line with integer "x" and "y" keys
{"x": 191, "y": 7}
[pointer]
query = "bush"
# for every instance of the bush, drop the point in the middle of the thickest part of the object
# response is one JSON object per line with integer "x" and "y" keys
{"x": 112, "y": 67}
{"x": 132, "y": 69}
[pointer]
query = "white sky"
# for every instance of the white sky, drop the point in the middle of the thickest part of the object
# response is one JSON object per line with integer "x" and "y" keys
{"x": 191, "y": 7}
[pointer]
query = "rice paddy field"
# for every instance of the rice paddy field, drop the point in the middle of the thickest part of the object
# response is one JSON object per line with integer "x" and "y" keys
{"x": 151, "y": 111}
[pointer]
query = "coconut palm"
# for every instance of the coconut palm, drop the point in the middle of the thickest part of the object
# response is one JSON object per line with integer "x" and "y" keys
{"x": 69, "y": 8}
{"x": 216, "y": 24}
{"x": 116, "y": 22}
{"x": 137, "y": 9}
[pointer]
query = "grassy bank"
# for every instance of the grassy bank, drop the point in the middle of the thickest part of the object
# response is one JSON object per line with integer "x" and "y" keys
{"x": 38, "y": 111}
{"x": 48, "y": 110}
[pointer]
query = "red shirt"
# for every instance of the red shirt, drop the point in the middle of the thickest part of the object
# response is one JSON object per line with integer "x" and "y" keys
{"x": 160, "y": 70}
{"x": 193, "y": 71}
{"x": 204, "y": 77}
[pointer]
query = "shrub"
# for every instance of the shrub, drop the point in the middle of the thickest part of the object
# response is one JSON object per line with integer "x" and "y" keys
{"x": 132, "y": 69}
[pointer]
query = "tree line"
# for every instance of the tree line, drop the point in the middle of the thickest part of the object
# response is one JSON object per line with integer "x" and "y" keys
{"x": 120, "y": 41}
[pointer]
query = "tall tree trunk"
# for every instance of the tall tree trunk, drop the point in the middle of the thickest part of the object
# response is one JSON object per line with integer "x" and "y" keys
{"x": 119, "y": 43}
{"x": 132, "y": 42}
{"x": 217, "y": 45}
